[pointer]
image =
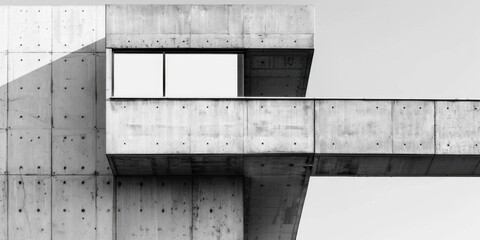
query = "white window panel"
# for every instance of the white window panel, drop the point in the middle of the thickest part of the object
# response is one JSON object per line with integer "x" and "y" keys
{"x": 138, "y": 75}
{"x": 201, "y": 75}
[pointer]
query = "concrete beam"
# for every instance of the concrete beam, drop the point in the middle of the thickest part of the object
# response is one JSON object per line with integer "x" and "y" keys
{"x": 276, "y": 126}
{"x": 210, "y": 26}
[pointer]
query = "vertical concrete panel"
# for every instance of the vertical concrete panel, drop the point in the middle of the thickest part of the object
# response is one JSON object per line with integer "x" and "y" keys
{"x": 3, "y": 89}
{"x": 353, "y": 126}
{"x": 74, "y": 91}
{"x": 30, "y": 29}
{"x": 274, "y": 207}
{"x": 29, "y": 151}
{"x": 217, "y": 208}
{"x": 413, "y": 127}
{"x": 457, "y": 127}
{"x": 3, "y": 151}
{"x": 154, "y": 208}
{"x": 3, "y": 208}
{"x": 3, "y": 28}
{"x": 279, "y": 126}
{"x": 101, "y": 90}
{"x": 73, "y": 213}
{"x": 29, "y": 90}
{"x": 217, "y": 127}
{"x": 102, "y": 165}
{"x": 73, "y": 151}
{"x": 29, "y": 207}
{"x": 74, "y": 28}
{"x": 105, "y": 198}
{"x": 100, "y": 31}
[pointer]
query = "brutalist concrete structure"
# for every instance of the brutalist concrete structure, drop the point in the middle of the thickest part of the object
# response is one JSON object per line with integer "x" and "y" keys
{"x": 77, "y": 162}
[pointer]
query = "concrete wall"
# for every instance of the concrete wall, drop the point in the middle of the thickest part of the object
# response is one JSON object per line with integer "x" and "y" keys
{"x": 55, "y": 181}
{"x": 210, "y": 26}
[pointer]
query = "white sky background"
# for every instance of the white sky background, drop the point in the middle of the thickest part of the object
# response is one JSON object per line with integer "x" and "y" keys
{"x": 385, "y": 49}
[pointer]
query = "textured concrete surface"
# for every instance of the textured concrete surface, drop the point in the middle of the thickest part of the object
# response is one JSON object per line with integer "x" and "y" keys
{"x": 56, "y": 184}
{"x": 210, "y": 26}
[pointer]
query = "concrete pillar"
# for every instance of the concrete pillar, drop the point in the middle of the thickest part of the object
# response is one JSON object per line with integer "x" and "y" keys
{"x": 179, "y": 207}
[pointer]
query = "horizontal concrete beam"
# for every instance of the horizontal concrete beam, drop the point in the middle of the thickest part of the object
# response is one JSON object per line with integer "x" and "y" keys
{"x": 209, "y": 26}
{"x": 292, "y": 126}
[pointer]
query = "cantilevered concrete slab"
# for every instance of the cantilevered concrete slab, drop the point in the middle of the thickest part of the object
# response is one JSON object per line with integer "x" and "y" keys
{"x": 345, "y": 137}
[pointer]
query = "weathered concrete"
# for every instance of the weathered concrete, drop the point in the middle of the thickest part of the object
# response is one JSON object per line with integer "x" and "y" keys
{"x": 209, "y": 26}
{"x": 180, "y": 207}
{"x": 34, "y": 135}
{"x": 276, "y": 40}
{"x": 281, "y": 126}
{"x": 29, "y": 207}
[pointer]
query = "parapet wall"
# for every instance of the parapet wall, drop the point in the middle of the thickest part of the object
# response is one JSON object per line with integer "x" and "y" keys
{"x": 210, "y": 26}
{"x": 292, "y": 126}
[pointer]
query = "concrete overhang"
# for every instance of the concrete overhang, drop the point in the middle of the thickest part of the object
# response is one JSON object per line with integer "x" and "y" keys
{"x": 277, "y": 40}
{"x": 280, "y": 136}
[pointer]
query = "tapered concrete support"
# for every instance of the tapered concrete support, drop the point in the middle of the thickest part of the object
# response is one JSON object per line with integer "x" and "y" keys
{"x": 180, "y": 207}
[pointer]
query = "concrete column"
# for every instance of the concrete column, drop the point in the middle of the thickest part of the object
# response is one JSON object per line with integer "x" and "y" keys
{"x": 179, "y": 207}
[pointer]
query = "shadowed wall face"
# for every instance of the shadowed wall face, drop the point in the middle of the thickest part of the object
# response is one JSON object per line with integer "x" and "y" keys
{"x": 55, "y": 180}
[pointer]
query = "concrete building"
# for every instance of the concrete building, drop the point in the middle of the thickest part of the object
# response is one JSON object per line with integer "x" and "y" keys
{"x": 78, "y": 160}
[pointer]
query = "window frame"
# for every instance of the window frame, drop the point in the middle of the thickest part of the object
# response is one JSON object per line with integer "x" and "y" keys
{"x": 240, "y": 65}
